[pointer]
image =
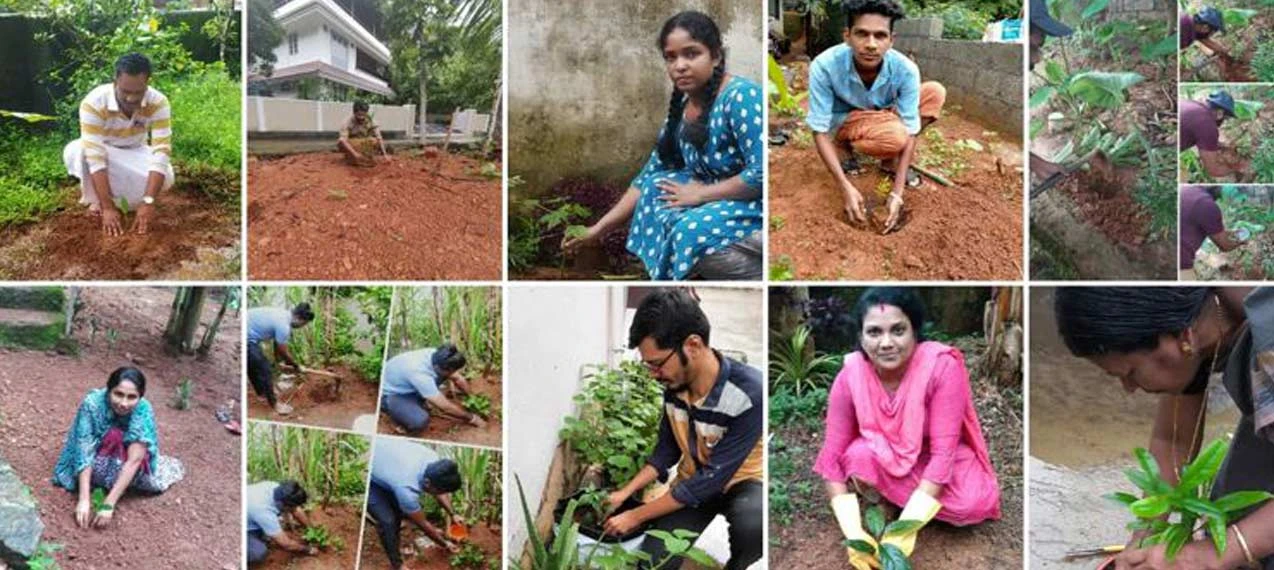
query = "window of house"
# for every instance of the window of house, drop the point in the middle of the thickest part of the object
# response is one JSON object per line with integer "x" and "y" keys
{"x": 340, "y": 52}
{"x": 293, "y": 48}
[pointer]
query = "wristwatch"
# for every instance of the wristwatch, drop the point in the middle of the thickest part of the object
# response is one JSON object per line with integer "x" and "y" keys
{"x": 148, "y": 200}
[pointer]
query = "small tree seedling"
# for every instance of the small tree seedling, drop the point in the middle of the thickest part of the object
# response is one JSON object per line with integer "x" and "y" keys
{"x": 320, "y": 537}
{"x": 184, "y": 390}
{"x": 890, "y": 556}
{"x": 470, "y": 556}
{"x": 99, "y": 501}
{"x": 479, "y": 404}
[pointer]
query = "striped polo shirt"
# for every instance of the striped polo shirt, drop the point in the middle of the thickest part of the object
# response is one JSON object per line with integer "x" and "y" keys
{"x": 716, "y": 442}
{"x": 103, "y": 124}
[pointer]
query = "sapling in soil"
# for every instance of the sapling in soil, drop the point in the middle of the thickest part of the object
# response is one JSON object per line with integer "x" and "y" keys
{"x": 320, "y": 537}
{"x": 470, "y": 556}
{"x": 1173, "y": 514}
{"x": 184, "y": 390}
{"x": 891, "y": 557}
{"x": 98, "y": 499}
{"x": 479, "y": 404}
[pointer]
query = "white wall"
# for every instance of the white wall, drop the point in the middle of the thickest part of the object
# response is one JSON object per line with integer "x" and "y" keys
{"x": 552, "y": 332}
{"x": 312, "y": 44}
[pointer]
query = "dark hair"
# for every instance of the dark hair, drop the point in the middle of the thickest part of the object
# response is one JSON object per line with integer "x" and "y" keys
{"x": 290, "y": 494}
{"x": 1101, "y": 320}
{"x": 703, "y": 30}
{"x": 1213, "y": 190}
{"x": 303, "y": 312}
{"x": 360, "y": 106}
{"x": 130, "y": 374}
{"x": 132, "y": 64}
{"x": 443, "y": 476}
{"x": 669, "y": 317}
{"x": 902, "y": 297}
{"x": 448, "y": 358}
{"x": 887, "y": 8}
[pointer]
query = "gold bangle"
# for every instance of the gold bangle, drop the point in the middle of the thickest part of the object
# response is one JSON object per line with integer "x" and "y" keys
{"x": 1243, "y": 543}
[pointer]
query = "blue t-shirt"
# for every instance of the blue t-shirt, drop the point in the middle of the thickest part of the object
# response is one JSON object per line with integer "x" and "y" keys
{"x": 269, "y": 323}
{"x": 837, "y": 89}
{"x": 411, "y": 373}
{"x": 263, "y": 511}
{"x": 398, "y": 465}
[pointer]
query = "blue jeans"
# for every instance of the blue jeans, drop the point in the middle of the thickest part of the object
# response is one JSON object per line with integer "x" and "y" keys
{"x": 407, "y": 410}
{"x": 257, "y": 548}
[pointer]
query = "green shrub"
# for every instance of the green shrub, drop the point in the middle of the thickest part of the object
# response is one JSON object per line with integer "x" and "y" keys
{"x": 959, "y": 22}
{"x": 206, "y": 109}
{"x": 22, "y": 202}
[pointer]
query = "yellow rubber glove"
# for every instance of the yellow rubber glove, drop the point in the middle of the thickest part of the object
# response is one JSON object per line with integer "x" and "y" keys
{"x": 920, "y": 507}
{"x": 851, "y": 525}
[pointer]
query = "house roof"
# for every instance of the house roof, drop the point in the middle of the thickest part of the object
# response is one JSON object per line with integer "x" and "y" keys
{"x": 326, "y": 71}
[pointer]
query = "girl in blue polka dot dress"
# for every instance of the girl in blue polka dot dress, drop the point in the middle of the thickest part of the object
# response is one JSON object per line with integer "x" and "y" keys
{"x": 696, "y": 206}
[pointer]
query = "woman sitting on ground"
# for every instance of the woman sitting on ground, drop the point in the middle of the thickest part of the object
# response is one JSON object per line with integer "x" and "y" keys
{"x": 113, "y": 445}
{"x": 696, "y": 206}
{"x": 901, "y": 424}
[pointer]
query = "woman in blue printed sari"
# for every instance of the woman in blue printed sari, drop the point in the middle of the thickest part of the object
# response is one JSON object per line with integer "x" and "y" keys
{"x": 696, "y": 206}
{"x": 113, "y": 444}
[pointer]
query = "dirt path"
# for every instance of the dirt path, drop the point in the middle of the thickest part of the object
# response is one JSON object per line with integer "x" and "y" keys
{"x": 422, "y": 554}
{"x": 196, "y": 523}
{"x": 314, "y": 402}
{"x": 442, "y": 428}
{"x": 191, "y": 238}
{"x": 342, "y": 521}
{"x": 970, "y": 231}
{"x": 311, "y": 216}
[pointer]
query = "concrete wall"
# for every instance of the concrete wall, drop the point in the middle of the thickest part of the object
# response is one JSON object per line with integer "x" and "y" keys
{"x": 984, "y": 79}
{"x": 276, "y": 115}
{"x": 587, "y": 86}
{"x": 1155, "y": 10}
{"x": 312, "y": 43}
{"x": 553, "y": 332}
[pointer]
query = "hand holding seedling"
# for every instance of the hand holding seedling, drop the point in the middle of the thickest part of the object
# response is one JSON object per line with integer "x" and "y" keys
{"x": 895, "y": 213}
{"x": 622, "y": 523}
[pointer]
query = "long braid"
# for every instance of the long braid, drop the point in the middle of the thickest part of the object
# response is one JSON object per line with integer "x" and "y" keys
{"x": 669, "y": 152}
{"x": 697, "y": 132}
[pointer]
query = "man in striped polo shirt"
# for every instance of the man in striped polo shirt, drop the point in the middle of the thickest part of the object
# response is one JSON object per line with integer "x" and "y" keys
{"x": 113, "y": 158}
{"x": 711, "y": 431}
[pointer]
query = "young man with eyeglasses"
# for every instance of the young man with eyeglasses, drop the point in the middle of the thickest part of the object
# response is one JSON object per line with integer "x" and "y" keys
{"x": 711, "y": 431}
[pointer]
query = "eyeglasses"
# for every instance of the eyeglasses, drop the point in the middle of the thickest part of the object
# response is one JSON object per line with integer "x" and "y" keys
{"x": 655, "y": 366}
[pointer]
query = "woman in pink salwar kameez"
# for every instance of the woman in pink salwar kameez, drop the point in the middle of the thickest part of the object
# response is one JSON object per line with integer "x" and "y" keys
{"x": 900, "y": 420}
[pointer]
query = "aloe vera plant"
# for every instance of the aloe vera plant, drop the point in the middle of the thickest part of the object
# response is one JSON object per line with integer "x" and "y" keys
{"x": 783, "y": 101}
{"x": 1172, "y": 514}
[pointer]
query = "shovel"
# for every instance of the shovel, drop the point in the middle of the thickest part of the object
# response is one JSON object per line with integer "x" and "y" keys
{"x": 1095, "y": 156}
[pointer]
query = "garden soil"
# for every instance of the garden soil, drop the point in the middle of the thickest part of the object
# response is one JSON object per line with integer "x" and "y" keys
{"x": 445, "y": 429}
{"x": 196, "y": 523}
{"x": 813, "y": 540}
{"x": 191, "y": 238}
{"x": 341, "y": 521}
{"x": 312, "y": 216}
{"x": 431, "y": 557}
{"x": 315, "y": 403}
{"x": 969, "y": 231}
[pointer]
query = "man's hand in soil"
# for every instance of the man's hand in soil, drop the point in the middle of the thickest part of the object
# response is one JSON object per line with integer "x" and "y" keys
{"x": 83, "y": 513}
{"x": 141, "y": 223}
{"x": 476, "y": 421}
{"x": 854, "y": 205}
{"x": 112, "y": 221}
{"x": 101, "y": 519}
{"x": 677, "y": 195}
{"x": 895, "y": 213}
{"x": 622, "y": 523}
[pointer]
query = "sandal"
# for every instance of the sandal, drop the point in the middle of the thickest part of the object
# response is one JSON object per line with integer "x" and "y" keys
{"x": 913, "y": 176}
{"x": 778, "y": 138}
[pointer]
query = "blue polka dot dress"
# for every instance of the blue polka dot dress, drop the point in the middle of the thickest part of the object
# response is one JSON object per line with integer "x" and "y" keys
{"x": 669, "y": 240}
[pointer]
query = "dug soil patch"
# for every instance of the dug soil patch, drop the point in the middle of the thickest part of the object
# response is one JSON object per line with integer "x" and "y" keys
{"x": 419, "y": 552}
{"x": 191, "y": 237}
{"x": 342, "y": 521}
{"x": 315, "y": 401}
{"x": 312, "y": 216}
{"x": 442, "y": 428}
{"x": 969, "y": 231}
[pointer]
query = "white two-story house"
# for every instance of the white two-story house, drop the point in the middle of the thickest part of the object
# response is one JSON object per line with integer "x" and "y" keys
{"x": 329, "y": 51}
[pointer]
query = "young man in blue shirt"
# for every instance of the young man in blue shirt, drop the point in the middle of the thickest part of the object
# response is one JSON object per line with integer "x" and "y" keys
{"x": 412, "y": 379}
{"x": 869, "y": 98}
{"x": 402, "y": 472}
{"x": 266, "y": 503}
{"x": 273, "y": 324}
